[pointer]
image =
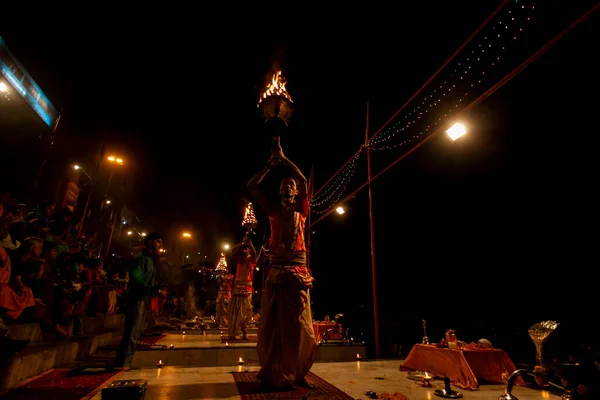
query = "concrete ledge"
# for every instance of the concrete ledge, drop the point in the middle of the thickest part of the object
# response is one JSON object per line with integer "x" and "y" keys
{"x": 39, "y": 357}
{"x": 219, "y": 357}
{"x": 31, "y": 332}
{"x": 35, "y": 360}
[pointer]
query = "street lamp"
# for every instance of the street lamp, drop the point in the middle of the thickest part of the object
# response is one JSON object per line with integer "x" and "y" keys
{"x": 340, "y": 210}
{"x": 457, "y": 130}
{"x": 185, "y": 235}
{"x": 113, "y": 160}
{"x": 116, "y": 160}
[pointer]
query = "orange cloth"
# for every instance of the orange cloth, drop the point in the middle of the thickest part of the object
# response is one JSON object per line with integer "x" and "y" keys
{"x": 463, "y": 367}
{"x": 12, "y": 303}
{"x": 321, "y": 327}
{"x": 286, "y": 344}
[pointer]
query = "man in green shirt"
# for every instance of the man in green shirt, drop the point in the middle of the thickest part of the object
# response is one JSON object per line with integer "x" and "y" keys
{"x": 140, "y": 290}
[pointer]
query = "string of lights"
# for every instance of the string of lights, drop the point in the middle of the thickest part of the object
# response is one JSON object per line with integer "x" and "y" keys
{"x": 337, "y": 188}
{"x": 501, "y": 82}
{"x": 331, "y": 180}
{"x": 465, "y": 78}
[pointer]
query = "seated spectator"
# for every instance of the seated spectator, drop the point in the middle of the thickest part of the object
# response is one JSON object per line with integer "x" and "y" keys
{"x": 15, "y": 298}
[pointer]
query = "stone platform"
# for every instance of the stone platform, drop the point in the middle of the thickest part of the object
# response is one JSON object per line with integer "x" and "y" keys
{"x": 45, "y": 351}
{"x": 354, "y": 378}
{"x": 195, "y": 349}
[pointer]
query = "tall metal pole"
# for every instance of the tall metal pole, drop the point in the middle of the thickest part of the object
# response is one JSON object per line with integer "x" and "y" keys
{"x": 372, "y": 228}
{"x": 45, "y": 159}
{"x": 85, "y": 211}
{"x": 112, "y": 231}
{"x": 311, "y": 180}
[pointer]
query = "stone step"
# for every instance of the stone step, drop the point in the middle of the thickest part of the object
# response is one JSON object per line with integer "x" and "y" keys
{"x": 33, "y": 332}
{"x": 30, "y": 331}
{"x": 220, "y": 356}
{"x": 42, "y": 356}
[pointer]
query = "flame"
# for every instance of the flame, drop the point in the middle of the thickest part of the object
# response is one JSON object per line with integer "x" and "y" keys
{"x": 241, "y": 359}
{"x": 276, "y": 88}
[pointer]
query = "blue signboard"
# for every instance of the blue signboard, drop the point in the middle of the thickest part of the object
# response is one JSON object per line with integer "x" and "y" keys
{"x": 23, "y": 84}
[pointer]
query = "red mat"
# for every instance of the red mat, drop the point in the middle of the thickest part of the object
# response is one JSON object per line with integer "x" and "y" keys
{"x": 150, "y": 340}
{"x": 251, "y": 389}
{"x": 251, "y": 339}
{"x": 58, "y": 385}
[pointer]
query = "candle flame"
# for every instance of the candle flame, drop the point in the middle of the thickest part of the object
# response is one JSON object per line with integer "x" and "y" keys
{"x": 226, "y": 344}
{"x": 241, "y": 359}
{"x": 160, "y": 361}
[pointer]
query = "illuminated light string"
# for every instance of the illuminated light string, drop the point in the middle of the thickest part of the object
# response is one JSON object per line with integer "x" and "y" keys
{"x": 341, "y": 181}
{"x": 476, "y": 56}
{"x": 467, "y": 79}
{"x": 331, "y": 187}
{"x": 336, "y": 195}
{"x": 445, "y": 91}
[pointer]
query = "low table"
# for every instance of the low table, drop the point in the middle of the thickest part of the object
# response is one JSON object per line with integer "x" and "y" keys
{"x": 463, "y": 367}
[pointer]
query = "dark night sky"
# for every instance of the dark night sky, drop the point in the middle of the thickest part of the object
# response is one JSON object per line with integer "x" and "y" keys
{"x": 176, "y": 91}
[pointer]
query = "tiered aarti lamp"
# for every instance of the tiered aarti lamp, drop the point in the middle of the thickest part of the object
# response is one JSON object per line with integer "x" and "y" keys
{"x": 276, "y": 105}
{"x": 221, "y": 268}
{"x": 250, "y": 222}
{"x": 539, "y": 333}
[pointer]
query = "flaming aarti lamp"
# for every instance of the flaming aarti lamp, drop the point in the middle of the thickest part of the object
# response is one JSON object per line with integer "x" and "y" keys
{"x": 250, "y": 222}
{"x": 276, "y": 105}
{"x": 221, "y": 268}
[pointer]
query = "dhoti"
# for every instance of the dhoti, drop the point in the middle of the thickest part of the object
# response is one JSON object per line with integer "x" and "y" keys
{"x": 286, "y": 345}
{"x": 240, "y": 313}
{"x": 221, "y": 311}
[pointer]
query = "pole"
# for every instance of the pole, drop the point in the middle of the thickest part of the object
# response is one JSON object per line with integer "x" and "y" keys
{"x": 372, "y": 228}
{"x": 112, "y": 230}
{"x": 85, "y": 210}
{"x": 45, "y": 159}
{"x": 311, "y": 185}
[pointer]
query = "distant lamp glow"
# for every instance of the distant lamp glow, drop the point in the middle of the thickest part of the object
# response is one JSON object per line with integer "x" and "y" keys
{"x": 143, "y": 233}
{"x": 457, "y": 130}
{"x": 76, "y": 166}
{"x": 108, "y": 202}
{"x": 129, "y": 233}
{"x": 186, "y": 235}
{"x": 340, "y": 210}
{"x": 114, "y": 159}
{"x": 3, "y": 87}
{"x": 226, "y": 246}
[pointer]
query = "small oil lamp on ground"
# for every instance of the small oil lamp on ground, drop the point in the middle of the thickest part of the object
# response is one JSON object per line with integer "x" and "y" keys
{"x": 159, "y": 364}
{"x": 171, "y": 346}
{"x": 358, "y": 357}
{"x": 226, "y": 344}
{"x": 426, "y": 378}
{"x": 241, "y": 361}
